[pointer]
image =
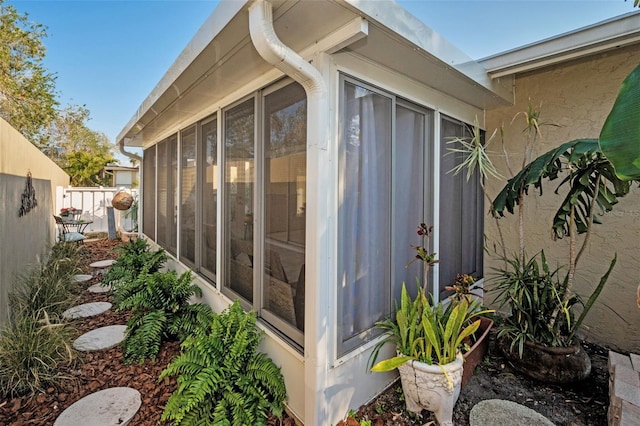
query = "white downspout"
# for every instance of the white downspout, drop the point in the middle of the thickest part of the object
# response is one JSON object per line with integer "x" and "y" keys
{"x": 131, "y": 155}
{"x": 317, "y": 302}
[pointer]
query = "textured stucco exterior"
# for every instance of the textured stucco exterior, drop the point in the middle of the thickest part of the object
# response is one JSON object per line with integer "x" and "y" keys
{"x": 24, "y": 239}
{"x": 576, "y": 98}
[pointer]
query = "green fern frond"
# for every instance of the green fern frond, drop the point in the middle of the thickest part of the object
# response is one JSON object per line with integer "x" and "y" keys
{"x": 220, "y": 363}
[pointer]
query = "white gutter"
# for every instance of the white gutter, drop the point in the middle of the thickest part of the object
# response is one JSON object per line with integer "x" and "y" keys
{"x": 127, "y": 153}
{"x": 289, "y": 62}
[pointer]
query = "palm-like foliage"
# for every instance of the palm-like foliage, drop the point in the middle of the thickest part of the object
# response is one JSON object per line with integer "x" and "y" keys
{"x": 598, "y": 172}
{"x": 589, "y": 174}
{"x": 222, "y": 379}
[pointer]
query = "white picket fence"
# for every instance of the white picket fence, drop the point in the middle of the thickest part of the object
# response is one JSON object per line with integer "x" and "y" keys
{"x": 93, "y": 203}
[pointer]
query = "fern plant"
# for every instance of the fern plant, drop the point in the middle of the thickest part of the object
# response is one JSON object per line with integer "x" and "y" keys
{"x": 131, "y": 261}
{"x": 222, "y": 378}
{"x": 161, "y": 311}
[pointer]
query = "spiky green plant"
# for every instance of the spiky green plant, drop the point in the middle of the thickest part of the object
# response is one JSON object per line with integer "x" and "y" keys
{"x": 161, "y": 311}
{"x": 534, "y": 293}
{"x": 31, "y": 352}
{"x": 222, "y": 378}
{"x": 46, "y": 287}
{"x": 429, "y": 333}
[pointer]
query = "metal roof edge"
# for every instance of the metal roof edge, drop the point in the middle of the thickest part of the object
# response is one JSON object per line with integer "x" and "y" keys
{"x": 619, "y": 31}
{"x": 431, "y": 42}
{"x": 221, "y": 16}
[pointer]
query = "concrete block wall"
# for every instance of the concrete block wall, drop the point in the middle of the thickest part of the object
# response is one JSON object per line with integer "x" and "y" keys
{"x": 624, "y": 389}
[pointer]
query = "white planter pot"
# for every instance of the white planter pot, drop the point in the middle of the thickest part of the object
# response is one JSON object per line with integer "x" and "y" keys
{"x": 432, "y": 387}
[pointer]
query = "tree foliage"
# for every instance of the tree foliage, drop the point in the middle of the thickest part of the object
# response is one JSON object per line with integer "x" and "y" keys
{"x": 28, "y": 103}
{"x": 27, "y": 89}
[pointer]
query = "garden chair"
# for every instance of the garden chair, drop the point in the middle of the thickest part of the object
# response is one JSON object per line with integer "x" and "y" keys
{"x": 65, "y": 233}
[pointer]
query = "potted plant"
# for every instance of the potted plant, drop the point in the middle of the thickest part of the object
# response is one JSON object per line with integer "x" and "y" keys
{"x": 428, "y": 338}
{"x": 466, "y": 288}
{"x": 540, "y": 336}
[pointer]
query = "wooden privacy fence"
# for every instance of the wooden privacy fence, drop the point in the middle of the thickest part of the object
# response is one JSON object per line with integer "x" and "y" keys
{"x": 93, "y": 203}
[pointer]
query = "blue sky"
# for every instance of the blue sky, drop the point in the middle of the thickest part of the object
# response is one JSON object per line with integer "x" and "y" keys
{"x": 108, "y": 54}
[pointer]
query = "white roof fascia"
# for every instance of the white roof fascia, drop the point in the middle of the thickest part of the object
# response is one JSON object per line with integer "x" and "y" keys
{"x": 221, "y": 16}
{"x": 621, "y": 31}
{"x": 391, "y": 15}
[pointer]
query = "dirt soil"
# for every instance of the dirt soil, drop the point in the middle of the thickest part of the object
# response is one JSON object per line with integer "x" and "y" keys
{"x": 95, "y": 371}
{"x": 583, "y": 403}
{"x": 578, "y": 404}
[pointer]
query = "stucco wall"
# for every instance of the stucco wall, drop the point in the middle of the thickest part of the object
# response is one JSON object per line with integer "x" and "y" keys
{"x": 24, "y": 239}
{"x": 577, "y": 97}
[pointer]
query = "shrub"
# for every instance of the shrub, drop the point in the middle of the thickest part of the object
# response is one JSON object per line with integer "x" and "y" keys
{"x": 31, "y": 352}
{"x": 533, "y": 291}
{"x": 132, "y": 260}
{"x": 222, "y": 379}
{"x": 160, "y": 311}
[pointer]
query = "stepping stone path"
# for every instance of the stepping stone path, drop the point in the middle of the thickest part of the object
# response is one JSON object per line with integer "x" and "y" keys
{"x": 113, "y": 406}
{"x": 103, "y": 263}
{"x": 86, "y": 310}
{"x": 80, "y": 278}
{"x": 498, "y": 412}
{"x": 101, "y": 338}
{"x": 99, "y": 288}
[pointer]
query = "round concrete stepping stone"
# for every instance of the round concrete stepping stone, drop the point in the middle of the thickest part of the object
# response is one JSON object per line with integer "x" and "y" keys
{"x": 86, "y": 310}
{"x": 113, "y": 406}
{"x": 100, "y": 338}
{"x": 103, "y": 263}
{"x": 499, "y": 412}
{"x": 99, "y": 288}
{"x": 80, "y": 278}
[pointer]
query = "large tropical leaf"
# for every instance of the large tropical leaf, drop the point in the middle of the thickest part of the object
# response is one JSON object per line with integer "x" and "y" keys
{"x": 620, "y": 135}
{"x": 582, "y": 162}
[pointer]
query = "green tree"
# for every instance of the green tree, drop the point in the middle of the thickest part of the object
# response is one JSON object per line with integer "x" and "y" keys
{"x": 84, "y": 168}
{"x": 27, "y": 89}
{"x": 68, "y": 133}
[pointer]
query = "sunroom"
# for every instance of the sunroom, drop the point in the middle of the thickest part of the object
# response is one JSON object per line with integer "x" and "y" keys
{"x": 290, "y": 152}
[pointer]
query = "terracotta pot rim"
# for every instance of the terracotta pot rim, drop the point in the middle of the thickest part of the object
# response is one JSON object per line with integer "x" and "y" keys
{"x": 487, "y": 323}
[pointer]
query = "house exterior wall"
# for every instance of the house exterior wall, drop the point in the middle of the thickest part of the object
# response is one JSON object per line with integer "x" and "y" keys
{"x": 24, "y": 239}
{"x": 322, "y": 385}
{"x": 576, "y": 98}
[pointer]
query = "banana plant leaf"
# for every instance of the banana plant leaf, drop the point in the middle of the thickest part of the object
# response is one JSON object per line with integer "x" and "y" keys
{"x": 585, "y": 161}
{"x": 620, "y": 135}
{"x": 613, "y": 161}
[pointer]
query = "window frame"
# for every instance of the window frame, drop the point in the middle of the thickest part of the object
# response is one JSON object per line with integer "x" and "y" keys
{"x": 344, "y": 346}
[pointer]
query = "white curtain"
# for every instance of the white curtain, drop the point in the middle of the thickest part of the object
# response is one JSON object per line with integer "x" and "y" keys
{"x": 408, "y": 197}
{"x": 365, "y": 218}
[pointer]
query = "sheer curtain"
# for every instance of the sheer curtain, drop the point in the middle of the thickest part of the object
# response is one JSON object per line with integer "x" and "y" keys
{"x": 365, "y": 211}
{"x": 408, "y": 196}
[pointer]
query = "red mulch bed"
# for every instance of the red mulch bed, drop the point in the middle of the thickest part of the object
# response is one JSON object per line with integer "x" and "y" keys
{"x": 95, "y": 371}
